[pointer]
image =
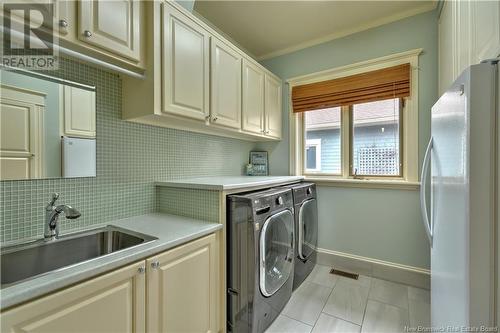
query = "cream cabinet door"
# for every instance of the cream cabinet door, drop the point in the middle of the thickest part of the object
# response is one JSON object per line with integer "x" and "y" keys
{"x": 485, "y": 30}
{"x": 225, "y": 106}
{"x": 182, "y": 288}
{"x": 273, "y": 112}
{"x": 113, "y": 25}
{"x": 21, "y": 133}
{"x": 447, "y": 46}
{"x": 114, "y": 302}
{"x": 185, "y": 65}
{"x": 79, "y": 112}
{"x": 253, "y": 98}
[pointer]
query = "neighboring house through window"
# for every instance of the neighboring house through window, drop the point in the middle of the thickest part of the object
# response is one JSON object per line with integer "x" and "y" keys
{"x": 313, "y": 155}
{"x": 367, "y": 140}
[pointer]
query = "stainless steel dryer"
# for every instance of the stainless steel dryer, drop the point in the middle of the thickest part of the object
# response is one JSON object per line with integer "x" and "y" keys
{"x": 306, "y": 230}
{"x": 260, "y": 252}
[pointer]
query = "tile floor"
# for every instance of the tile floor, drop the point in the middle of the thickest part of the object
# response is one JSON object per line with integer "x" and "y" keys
{"x": 331, "y": 303}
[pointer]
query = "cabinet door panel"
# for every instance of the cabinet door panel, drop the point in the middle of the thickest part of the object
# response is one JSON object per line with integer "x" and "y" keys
{"x": 21, "y": 133}
{"x": 486, "y": 30}
{"x": 79, "y": 112}
{"x": 253, "y": 98}
{"x": 182, "y": 290}
{"x": 114, "y": 302}
{"x": 273, "y": 110}
{"x": 113, "y": 25}
{"x": 185, "y": 65}
{"x": 447, "y": 46}
{"x": 225, "y": 85}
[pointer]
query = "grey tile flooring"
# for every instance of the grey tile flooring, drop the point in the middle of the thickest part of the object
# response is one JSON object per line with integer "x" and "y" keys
{"x": 329, "y": 303}
{"x": 321, "y": 275}
{"x": 331, "y": 324}
{"x": 381, "y": 317}
{"x": 307, "y": 302}
{"x": 419, "y": 305}
{"x": 283, "y": 324}
{"x": 389, "y": 292}
{"x": 348, "y": 301}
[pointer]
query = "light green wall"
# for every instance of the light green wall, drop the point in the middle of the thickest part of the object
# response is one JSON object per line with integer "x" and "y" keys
{"x": 51, "y": 117}
{"x": 380, "y": 224}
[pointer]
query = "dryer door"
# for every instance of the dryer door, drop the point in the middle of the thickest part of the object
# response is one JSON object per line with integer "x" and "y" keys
{"x": 276, "y": 252}
{"x": 308, "y": 229}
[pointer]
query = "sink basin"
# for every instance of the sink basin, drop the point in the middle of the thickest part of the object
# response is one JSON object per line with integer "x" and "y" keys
{"x": 25, "y": 261}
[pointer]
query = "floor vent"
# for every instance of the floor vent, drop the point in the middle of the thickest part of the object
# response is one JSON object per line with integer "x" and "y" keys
{"x": 344, "y": 274}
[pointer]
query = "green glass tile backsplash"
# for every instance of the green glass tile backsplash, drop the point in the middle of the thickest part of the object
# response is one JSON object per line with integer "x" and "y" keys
{"x": 193, "y": 203}
{"x": 130, "y": 157}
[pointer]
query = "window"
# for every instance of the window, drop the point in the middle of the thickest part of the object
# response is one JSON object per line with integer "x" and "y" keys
{"x": 313, "y": 155}
{"x": 368, "y": 141}
{"x": 322, "y": 137}
{"x": 373, "y": 143}
{"x": 375, "y": 138}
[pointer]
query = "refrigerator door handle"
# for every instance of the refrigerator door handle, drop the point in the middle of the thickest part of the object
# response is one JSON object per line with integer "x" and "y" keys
{"x": 423, "y": 186}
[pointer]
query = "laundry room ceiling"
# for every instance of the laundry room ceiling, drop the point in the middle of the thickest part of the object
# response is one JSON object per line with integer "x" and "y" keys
{"x": 270, "y": 28}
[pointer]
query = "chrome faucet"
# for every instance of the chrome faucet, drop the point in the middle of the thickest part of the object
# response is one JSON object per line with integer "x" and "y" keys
{"x": 52, "y": 212}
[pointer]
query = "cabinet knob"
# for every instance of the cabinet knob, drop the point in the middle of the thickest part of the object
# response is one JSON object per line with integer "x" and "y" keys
{"x": 207, "y": 117}
{"x": 141, "y": 270}
{"x": 155, "y": 264}
{"x": 214, "y": 118}
{"x": 63, "y": 23}
{"x": 87, "y": 34}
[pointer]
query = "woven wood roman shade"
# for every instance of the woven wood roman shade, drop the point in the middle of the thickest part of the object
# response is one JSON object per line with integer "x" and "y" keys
{"x": 391, "y": 82}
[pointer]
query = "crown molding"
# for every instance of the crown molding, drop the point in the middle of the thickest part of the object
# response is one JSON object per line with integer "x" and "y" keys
{"x": 369, "y": 25}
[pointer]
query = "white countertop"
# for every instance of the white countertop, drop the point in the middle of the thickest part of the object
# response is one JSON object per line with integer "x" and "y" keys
{"x": 171, "y": 230}
{"x": 225, "y": 183}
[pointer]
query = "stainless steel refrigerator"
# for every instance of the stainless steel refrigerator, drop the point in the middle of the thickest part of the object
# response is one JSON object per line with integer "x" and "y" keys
{"x": 459, "y": 200}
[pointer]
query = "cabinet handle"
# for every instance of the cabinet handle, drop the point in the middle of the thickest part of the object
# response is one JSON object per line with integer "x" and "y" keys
{"x": 155, "y": 264}
{"x": 141, "y": 270}
{"x": 214, "y": 118}
{"x": 63, "y": 23}
{"x": 87, "y": 34}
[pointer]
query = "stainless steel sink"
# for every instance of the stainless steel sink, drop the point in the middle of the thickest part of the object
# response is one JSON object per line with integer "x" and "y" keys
{"x": 26, "y": 261}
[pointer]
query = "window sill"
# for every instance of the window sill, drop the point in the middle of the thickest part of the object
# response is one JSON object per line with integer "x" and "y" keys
{"x": 365, "y": 183}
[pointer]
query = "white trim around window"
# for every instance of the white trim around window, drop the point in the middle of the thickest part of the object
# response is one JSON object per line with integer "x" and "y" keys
{"x": 317, "y": 144}
{"x": 409, "y": 180}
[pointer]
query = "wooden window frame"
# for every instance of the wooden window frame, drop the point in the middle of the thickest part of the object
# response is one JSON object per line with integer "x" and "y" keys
{"x": 409, "y": 148}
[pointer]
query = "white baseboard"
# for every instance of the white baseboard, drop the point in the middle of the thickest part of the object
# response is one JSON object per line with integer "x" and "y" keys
{"x": 414, "y": 276}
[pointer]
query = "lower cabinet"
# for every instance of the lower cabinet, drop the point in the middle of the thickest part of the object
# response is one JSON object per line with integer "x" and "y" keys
{"x": 182, "y": 288}
{"x": 114, "y": 302}
{"x": 181, "y": 293}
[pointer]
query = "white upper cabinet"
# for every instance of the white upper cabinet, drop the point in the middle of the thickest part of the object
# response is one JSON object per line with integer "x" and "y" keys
{"x": 273, "y": 112}
{"x": 253, "y": 98}
{"x": 446, "y": 46}
{"x": 79, "y": 112}
{"x": 485, "y": 29}
{"x": 469, "y": 32}
{"x": 185, "y": 66}
{"x": 199, "y": 81}
{"x": 225, "y": 95}
{"x": 113, "y": 25}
